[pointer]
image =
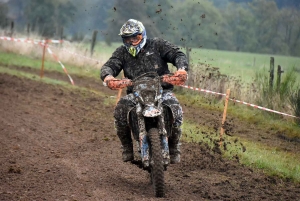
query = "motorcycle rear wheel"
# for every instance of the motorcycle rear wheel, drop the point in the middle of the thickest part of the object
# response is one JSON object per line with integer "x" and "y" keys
{"x": 157, "y": 166}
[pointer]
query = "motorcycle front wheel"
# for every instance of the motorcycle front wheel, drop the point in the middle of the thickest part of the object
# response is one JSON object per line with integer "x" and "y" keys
{"x": 157, "y": 166}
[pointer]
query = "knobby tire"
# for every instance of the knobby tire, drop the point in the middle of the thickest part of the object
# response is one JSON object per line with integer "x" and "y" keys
{"x": 157, "y": 168}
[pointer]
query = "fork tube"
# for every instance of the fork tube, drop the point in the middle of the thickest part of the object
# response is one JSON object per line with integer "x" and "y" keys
{"x": 143, "y": 136}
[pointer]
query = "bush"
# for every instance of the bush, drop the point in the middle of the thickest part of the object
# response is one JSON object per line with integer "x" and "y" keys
{"x": 295, "y": 102}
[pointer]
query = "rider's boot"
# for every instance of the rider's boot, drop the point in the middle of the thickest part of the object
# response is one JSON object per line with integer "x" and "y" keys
{"x": 174, "y": 145}
{"x": 126, "y": 141}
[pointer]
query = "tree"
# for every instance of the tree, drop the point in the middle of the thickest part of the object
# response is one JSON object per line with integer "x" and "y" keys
{"x": 239, "y": 23}
{"x": 267, "y": 24}
{"x": 3, "y": 15}
{"x": 289, "y": 30}
{"x": 16, "y": 12}
{"x": 90, "y": 16}
{"x": 48, "y": 16}
{"x": 152, "y": 14}
{"x": 196, "y": 23}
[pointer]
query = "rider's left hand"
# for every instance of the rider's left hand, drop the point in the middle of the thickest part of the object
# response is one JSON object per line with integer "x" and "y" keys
{"x": 179, "y": 77}
{"x": 182, "y": 74}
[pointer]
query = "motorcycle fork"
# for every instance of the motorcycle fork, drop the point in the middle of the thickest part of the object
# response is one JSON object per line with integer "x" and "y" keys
{"x": 144, "y": 140}
{"x": 164, "y": 140}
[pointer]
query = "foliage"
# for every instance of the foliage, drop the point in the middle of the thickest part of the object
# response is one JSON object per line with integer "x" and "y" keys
{"x": 262, "y": 26}
{"x": 278, "y": 98}
{"x": 295, "y": 101}
{"x": 3, "y": 13}
{"x": 197, "y": 22}
{"x": 49, "y": 16}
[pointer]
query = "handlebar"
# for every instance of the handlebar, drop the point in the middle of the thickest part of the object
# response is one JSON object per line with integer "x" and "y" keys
{"x": 168, "y": 78}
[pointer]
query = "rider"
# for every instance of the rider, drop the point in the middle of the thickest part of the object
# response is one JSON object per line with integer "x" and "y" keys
{"x": 137, "y": 56}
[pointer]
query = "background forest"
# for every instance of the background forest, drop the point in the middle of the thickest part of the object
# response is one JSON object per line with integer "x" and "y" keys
{"x": 261, "y": 26}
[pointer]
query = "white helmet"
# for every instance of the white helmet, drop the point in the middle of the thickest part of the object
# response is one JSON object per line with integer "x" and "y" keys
{"x": 134, "y": 36}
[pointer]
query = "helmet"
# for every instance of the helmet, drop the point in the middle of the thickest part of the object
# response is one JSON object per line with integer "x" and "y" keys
{"x": 134, "y": 36}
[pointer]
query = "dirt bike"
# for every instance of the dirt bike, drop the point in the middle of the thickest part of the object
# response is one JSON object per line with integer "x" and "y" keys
{"x": 151, "y": 124}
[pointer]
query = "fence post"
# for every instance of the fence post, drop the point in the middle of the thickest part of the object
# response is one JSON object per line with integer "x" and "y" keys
{"x": 271, "y": 72}
{"x": 6, "y": 25}
{"x": 12, "y": 28}
{"x": 187, "y": 53}
{"x": 28, "y": 30}
{"x": 119, "y": 92}
{"x": 278, "y": 81}
{"x": 93, "y": 42}
{"x": 224, "y": 116}
{"x": 43, "y": 59}
{"x": 61, "y": 35}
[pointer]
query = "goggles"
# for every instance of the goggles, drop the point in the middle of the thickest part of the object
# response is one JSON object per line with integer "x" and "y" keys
{"x": 133, "y": 39}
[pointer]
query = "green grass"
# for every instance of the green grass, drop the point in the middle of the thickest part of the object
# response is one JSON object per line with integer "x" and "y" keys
{"x": 236, "y": 64}
{"x": 49, "y": 64}
{"x": 241, "y": 64}
{"x": 273, "y": 162}
{"x": 260, "y": 118}
{"x": 253, "y": 154}
{"x": 33, "y": 77}
{"x": 46, "y": 80}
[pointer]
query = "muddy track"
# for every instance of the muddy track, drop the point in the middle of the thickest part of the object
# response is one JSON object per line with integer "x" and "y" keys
{"x": 58, "y": 144}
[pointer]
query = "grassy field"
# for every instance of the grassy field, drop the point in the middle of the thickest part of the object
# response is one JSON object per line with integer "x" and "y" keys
{"x": 241, "y": 64}
{"x": 237, "y": 64}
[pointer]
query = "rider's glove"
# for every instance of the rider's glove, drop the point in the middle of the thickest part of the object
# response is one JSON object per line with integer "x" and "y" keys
{"x": 115, "y": 84}
{"x": 182, "y": 74}
{"x": 178, "y": 78}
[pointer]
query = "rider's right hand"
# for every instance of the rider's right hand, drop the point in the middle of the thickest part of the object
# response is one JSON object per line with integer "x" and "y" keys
{"x": 178, "y": 78}
{"x": 116, "y": 84}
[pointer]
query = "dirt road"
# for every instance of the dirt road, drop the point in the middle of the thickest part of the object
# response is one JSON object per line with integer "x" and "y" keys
{"x": 59, "y": 144}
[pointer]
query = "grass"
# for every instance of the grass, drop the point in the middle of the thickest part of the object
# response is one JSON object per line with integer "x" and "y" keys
{"x": 236, "y": 64}
{"x": 46, "y": 80}
{"x": 261, "y": 118}
{"x": 50, "y": 65}
{"x": 241, "y": 64}
{"x": 253, "y": 154}
{"x": 33, "y": 77}
{"x": 273, "y": 162}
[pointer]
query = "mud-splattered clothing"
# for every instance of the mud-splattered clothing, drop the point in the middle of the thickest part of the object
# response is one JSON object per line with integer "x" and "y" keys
{"x": 128, "y": 102}
{"x": 153, "y": 57}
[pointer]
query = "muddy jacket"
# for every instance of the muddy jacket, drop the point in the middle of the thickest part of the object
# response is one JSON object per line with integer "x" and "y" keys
{"x": 153, "y": 57}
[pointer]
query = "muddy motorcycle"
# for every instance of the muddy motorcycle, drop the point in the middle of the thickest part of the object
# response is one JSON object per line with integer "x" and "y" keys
{"x": 151, "y": 122}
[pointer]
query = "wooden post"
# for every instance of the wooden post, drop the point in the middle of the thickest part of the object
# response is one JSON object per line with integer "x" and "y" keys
{"x": 224, "y": 115}
{"x": 28, "y": 31}
{"x": 278, "y": 81}
{"x": 271, "y": 72}
{"x": 61, "y": 35}
{"x": 12, "y": 29}
{"x": 37, "y": 27}
{"x": 119, "y": 96}
{"x": 119, "y": 93}
{"x": 43, "y": 59}
{"x": 187, "y": 53}
{"x": 6, "y": 23}
{"x": 93, "y": 41}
